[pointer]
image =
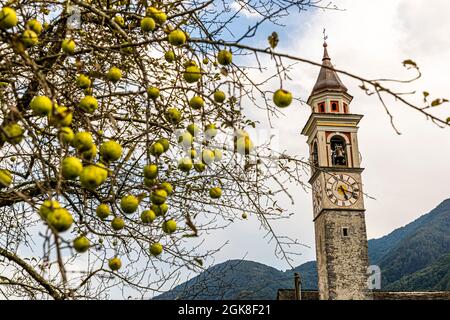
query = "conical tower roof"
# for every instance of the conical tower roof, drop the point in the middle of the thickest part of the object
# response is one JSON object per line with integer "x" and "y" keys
{"x": 328, "y": 79}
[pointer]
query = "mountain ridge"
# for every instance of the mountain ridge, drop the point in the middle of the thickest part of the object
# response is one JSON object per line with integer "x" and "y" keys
{"x": 413, "y": 257}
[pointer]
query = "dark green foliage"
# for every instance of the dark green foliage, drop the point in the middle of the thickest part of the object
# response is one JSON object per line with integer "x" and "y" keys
{"x": 435, "y": 277}
{"x": 427, "y": 240}
{"x": 241, "y": 280}
{"x": 415, "y": 257}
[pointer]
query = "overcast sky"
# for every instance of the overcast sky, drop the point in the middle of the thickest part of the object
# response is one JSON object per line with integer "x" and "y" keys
{"x": 407, "y": 174}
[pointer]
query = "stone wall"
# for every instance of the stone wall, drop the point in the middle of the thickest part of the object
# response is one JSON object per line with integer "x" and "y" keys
{"x": 342, "y": 260}
{"x": 289, "y": 294}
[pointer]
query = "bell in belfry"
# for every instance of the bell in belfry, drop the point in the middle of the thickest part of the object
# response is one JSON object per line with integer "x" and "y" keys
{"x": 339, "y": 155}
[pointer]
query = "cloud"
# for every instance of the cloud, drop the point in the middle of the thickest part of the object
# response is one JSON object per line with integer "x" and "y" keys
{"x": 406, "y": 174}
{"x": 244, "y": 9}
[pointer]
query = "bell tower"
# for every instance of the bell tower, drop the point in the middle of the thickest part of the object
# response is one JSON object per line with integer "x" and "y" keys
{"x": 339, "y": 222}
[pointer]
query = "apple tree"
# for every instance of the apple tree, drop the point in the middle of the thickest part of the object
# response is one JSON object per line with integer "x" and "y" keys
{"x": 124, "y": 141}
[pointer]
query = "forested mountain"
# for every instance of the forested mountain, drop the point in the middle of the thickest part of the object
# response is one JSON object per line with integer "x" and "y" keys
{"x": 415, "y": 257}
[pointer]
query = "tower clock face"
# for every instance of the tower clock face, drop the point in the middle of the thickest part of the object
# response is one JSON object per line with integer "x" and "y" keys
{"x": 317, "y": 196}
{"x": 343, "y": 190}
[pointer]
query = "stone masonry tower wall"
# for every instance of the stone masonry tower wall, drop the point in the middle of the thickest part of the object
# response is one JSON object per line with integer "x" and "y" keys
{"x": 339, "y": 214}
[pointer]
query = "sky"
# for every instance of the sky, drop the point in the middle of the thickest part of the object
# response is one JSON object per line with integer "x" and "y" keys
{"x": 407, "y": 174}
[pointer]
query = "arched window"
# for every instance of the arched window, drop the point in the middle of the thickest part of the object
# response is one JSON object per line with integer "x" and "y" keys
{"x": 315, "y": 155}
{"x": 334, "y": 106}
{"x": 345, "y": 108}
{"x": 322, "y": 107}
{"x": 338, "y": 152}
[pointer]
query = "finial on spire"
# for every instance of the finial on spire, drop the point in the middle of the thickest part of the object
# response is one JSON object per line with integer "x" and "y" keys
{"x": 325, "y": 38}
{"x": 328, "y": 78}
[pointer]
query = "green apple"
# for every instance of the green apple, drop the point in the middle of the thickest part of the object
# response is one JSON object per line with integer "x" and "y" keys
{"x": 219, "y": 96}
{"x": 156, "y": 249}
{"x": 103, "y": 211}
{"x": 173, "y": 115}
{"x": 93, "y": 176}
{"x": 8, "y": 18}
{"x": 165, "y": 143}
{"x": 90, "y": 154}
{"x": 34, "y": 25}
{"x": 199, "y": 167}
{"x": 224, "y": 57}
{"x": 88, "y": 104}
{"x": 12, "y": 133}
{"x": 196, "y": 103}
{"x": 119, "y": 20}
{"x": 114, "y": 74}
{"x": 158, "y": 196}
{"x": 244, "y": 216}
{"x": 207, "y": 156}
{"x": 148, "y": 24}
{"x": 169, "y": 56}
{"x": 83, "y": 141}
{"x": 62, "y": 117}
{"x": 41, "y": 105}
{"x": 153, "y": 92}
{"x": 29, "y": 38}
{"x": 129, "y": 203}
{"x": 147, "y": 216}
{"x": 185, "y": 164}
{"x": 159, "y": 16}
{"x": 71, "y": 168}
{"x": 282, "y": 98}
{"x": 68, "y": 46}
{"x": 111, "y": 151}
{"x": 151, "y": 171}
{"x": 243, "y": 145}
{"x": 192, "y": 74}
{"x": 5, "y": 178}
{"x": 114, "y": 264}
{"x": 190, "y": 63}
{"x": 160, "y": 210}
{"x": 83, "y": 81}
{"x": 47, "y": 207}
{"x": 185, "y": 139}
{"x": 210, "y": 131}
{"x": 193, "y": 129}
{"x": 215, "y": 193}
{"x": 169, "y": 226}
{"x": 81, "y": 244}
{"x": 177, "y": 37}
{"x": 156, "y": 149}
{"x": 167, "y": 186}
{"x": 60, "y": 219}
{"x": 117, "y": 223}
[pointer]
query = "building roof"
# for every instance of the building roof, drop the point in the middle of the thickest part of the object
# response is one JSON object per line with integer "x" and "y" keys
{"x": 289, "y": 294}
{"x": 328, "y": 79}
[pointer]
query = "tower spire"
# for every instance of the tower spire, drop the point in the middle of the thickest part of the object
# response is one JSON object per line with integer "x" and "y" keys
{"x": 328, "y": 79}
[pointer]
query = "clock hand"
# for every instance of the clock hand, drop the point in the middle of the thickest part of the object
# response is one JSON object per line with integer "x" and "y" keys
{"x": 341, "y": 188}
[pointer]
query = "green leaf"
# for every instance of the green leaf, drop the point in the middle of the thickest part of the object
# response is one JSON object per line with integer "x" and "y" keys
{"x": 273, "y": 40}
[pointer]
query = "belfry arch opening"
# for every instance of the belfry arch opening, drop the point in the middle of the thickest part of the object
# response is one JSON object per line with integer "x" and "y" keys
{"x": 338, "y": 151}
{"x": 315, "y": 155}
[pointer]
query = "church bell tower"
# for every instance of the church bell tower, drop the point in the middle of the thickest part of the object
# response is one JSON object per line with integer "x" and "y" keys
{"x": 339, "y": 222}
